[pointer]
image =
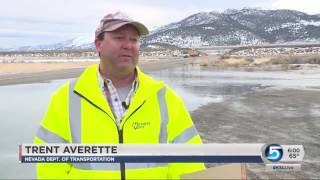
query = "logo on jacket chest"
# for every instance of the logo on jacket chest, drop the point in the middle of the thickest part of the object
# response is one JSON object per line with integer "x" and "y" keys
{"x": 140, "y": 125}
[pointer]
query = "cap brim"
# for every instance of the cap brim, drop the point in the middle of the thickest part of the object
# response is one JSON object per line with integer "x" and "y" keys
{"x": 142, "y": 29}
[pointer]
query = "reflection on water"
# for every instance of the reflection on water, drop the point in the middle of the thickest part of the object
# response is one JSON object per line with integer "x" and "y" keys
{"x": 200, "y": 85}
{"x": 23, "y": 106}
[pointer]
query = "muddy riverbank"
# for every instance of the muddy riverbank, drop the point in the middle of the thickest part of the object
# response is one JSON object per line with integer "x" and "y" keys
{"x": 284, "y": 116}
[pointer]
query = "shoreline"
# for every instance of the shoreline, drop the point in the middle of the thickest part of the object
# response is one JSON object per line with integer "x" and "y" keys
{"x": 34, "y": 72}
{"x": 74, "y": 69}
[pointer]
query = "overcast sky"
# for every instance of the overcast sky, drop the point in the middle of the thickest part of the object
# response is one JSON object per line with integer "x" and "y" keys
{"x": 32, "y": 22}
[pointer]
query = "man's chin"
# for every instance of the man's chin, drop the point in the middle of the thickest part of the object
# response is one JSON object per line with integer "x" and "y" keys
{"x": 126, "y": 69}
{"x": 126, "y": 64}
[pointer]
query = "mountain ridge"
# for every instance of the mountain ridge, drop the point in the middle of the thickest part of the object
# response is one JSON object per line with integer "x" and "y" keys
{"x": 248, "y": 26}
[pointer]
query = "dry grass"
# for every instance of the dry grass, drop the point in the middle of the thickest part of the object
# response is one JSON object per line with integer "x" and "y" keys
{"x": 16, "y": 68}
{"x": 34, "y": 67}
{"x": 314, "y": 59}
{"x": 231, "y": 61}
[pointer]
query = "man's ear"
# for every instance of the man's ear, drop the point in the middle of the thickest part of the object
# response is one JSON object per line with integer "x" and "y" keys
{"x": 97, "y": 43}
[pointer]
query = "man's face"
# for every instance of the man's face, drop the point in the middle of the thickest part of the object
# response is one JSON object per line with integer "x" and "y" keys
{"x": 119, "y": 50}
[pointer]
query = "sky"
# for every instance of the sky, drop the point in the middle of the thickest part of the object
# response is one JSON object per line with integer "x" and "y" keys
{"x": 34, "y": 22}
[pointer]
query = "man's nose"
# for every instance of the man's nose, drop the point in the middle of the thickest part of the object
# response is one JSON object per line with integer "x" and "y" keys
{"x": 127, "y": 43}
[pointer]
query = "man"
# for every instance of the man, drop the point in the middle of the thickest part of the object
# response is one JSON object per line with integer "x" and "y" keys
{"x": 114, "y": 102}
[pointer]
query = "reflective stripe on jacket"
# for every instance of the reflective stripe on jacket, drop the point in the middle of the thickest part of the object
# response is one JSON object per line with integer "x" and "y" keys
{"x": 79, "y": 113}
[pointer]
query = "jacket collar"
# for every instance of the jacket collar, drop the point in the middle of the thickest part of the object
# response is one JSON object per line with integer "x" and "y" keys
{"x": 87, "y": 86}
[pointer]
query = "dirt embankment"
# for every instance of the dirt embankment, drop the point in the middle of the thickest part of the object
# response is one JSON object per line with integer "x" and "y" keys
{"x": 16, "y": 73}
{"x": 262, "y": 63}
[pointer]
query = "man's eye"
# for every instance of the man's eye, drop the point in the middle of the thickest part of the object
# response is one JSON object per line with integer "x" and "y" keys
{"x": 134, "y": 39}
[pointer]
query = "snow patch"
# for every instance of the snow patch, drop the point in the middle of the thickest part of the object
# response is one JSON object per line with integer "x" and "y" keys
{"x": 210, "y": 28}
{"x": 308, "y": 23}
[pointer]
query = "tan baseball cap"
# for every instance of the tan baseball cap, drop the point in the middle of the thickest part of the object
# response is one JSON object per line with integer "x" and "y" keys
{"x": 114, "y": 21}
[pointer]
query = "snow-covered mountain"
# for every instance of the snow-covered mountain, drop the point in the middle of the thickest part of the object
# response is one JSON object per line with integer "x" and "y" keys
{"x": 79, "y": 43}
{"x": 238, "y": 27}
{"x": 247, "y": 26}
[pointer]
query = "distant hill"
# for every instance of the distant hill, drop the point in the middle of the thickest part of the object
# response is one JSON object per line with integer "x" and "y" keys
{"x": 79, "y": 43}
{"x": 247, "y": 26}
{"x": 238, "y": 27}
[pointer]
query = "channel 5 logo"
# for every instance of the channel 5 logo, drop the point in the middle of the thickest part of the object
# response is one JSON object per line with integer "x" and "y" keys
{"x": 273, "y": 152}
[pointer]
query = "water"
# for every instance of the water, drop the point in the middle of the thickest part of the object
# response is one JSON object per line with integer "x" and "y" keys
{"x": 23, "y": 106}
{"x": 201, "y": 85}
{"x": 21, "y": 110}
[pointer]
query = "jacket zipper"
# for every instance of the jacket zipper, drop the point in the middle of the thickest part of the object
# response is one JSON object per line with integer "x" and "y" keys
{"x": 122, "y": 165}
{"x": 120, "y": 130}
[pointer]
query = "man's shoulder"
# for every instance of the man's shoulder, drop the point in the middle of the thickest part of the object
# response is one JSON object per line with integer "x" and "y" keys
{"x": 148, "y": 80}
{"x": 170, "y": 93}
{"x": 63, "y": 89}
{"x": 89, "y": 74}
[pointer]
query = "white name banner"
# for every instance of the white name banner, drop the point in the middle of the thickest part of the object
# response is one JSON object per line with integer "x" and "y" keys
{"x": 142, "y": 153}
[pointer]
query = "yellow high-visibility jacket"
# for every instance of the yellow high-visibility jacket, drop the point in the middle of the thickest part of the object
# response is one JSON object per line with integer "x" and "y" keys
{"x": 79, "y": 113}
